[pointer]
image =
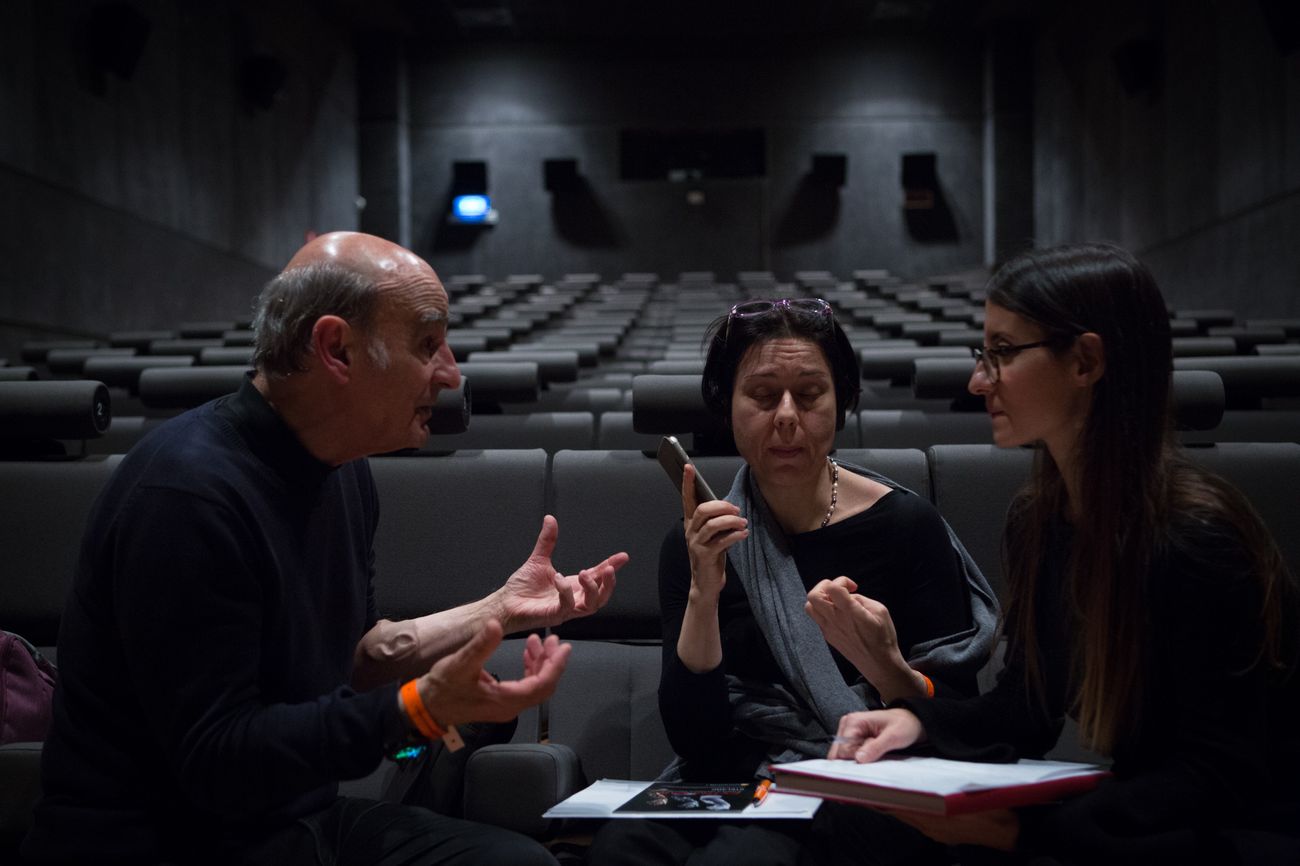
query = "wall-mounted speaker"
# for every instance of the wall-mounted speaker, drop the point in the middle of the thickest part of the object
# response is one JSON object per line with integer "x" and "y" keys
{"x": 830, "y": 168}
{"x": 469, "y": 177}
{"x": 920, "y": 180}
{"x": 559, "y": 175}
{"x": 926, "y": 212}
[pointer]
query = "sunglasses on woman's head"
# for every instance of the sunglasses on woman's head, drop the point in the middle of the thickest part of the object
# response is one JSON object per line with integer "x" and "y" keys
{"x": 753, "y": 309}
{"x": 814, "y": 307}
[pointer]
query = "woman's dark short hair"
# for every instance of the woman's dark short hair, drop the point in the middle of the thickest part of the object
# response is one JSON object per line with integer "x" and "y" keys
{"x": 729, "y": 337}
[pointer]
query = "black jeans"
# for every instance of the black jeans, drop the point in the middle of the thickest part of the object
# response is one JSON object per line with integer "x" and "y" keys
{"x": 838, "y": 835}
{"x": 355, "y": 832}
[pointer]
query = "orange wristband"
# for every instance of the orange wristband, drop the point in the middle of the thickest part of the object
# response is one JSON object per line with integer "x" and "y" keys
{"x": 418, "y": 713}
{"x": 929, "y": 685}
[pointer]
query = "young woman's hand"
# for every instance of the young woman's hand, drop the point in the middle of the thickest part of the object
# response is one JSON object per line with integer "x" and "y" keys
{"x": 870, "y": 735}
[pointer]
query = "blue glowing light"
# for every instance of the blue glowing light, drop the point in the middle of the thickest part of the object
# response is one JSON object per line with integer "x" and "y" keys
{"x": 470, "y": 208}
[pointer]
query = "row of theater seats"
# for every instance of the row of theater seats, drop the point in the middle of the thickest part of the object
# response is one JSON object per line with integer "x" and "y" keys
{"x": 454, "y": 525}
{"x": 932, "y": 408}
{"x": 564, "y": 355}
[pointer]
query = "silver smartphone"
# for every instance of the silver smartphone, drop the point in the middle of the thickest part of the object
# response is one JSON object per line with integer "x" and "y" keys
{"x": 673, "y": 459}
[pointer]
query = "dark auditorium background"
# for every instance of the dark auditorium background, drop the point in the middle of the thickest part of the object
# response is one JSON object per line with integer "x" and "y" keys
{"x": 159, "y": 161}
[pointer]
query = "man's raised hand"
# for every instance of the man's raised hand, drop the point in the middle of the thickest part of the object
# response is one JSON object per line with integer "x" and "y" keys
{"x": 538, "y": 596}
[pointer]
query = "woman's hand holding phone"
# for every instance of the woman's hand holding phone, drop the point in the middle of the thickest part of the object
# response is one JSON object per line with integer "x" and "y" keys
{"x": 711, "y": 528}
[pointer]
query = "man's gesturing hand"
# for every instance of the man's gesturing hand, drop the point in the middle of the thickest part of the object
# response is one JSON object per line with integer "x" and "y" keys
{"x": 457, "y": 689}
{"x": 538, "y": 596}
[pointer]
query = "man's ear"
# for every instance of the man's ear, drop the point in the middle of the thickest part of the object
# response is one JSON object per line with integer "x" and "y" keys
{"x": 1090, "y": 358}
{"x": 331, "y": 343}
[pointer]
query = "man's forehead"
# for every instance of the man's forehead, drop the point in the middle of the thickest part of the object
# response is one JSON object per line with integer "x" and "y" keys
{"x": 420, "y": 300}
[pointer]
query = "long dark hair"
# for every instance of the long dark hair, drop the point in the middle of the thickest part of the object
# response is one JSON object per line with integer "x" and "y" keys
{"x": 1132, "y": 479}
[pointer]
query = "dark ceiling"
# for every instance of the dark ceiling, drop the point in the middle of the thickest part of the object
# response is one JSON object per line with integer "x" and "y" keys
{"x": 596, "y": 21}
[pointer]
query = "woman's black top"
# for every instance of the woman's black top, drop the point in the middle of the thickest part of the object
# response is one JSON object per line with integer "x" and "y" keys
{"x": 897, "y": 551}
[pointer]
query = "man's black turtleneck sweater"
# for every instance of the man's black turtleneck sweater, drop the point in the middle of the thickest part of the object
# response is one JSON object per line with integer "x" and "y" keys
{"x": 223, "y": 584}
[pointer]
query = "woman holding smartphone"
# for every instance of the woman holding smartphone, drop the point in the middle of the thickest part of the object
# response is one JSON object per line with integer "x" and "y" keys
{"x": 1147, "y": 598}
{"x": 752, "y": 673}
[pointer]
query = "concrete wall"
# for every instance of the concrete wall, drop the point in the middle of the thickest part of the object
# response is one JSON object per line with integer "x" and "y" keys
{"x": 871, "y": 100}
{"x": 138, "y": 201}
{"x": 1198, "y": 170}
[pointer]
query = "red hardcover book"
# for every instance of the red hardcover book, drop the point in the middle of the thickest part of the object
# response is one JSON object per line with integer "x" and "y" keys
{"x": 937, "y": 786}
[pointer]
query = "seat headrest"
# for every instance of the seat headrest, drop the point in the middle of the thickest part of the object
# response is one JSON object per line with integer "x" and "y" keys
{"x": 687, "y": 367}
{"x": 502, "y": 381}
{"x": 73, "y": 361}
{"x": 80, "y": 409}
{"x": 552, "y": 366}
{"x": 138, "y": 340}
{"x": 17, "y": 374}
{"x": 1250, "y": 378}
{"x": 895, "y": 362}
{"x": 937, "y": 378}
{"x": 125, "y": 372}
{"x": 183, "y": 346}
{"x": 225, "y": 356}
{"x": 673, "y": 403}
{"x": 35, "y": 351}
{"x": 463, "y": 342}
{"x": 186, "y": 387}
{"x": 945, "y": 379}
{"x": 1203, "y": 346}
{"x": 1199, "y": 400}
{"x": 1198, "y": 396}
{"x": 588, "y": 351}
{"x": 451, "y": 411}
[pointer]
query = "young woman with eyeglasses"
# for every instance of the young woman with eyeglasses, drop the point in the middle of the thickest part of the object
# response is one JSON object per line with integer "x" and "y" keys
{"x": 1147, "y": 599}
{"x": 754, "y": 670}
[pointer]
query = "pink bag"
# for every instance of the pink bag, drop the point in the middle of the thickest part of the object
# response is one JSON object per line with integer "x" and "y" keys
{"x": 26, "y": 689}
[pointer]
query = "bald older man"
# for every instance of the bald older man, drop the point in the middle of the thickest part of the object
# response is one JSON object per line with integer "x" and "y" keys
{"x": 222, "y": 662}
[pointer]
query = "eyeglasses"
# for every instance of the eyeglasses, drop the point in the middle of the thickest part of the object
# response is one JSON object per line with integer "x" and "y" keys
{"x": 990, "y": 359}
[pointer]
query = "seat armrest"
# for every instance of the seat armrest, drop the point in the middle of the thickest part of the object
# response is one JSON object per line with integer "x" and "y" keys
{"x": 20, "y": 787}
{"x": 512, "y": 784}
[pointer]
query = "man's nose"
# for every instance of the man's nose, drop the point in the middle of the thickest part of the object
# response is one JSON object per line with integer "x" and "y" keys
{"x": 446, "y": 375}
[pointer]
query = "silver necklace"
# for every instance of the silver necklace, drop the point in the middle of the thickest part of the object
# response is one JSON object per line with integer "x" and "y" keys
{"x": 834, "y": 469}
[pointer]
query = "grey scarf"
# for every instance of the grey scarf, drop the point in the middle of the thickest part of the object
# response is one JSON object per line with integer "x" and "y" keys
{"x": 802, "y": 724}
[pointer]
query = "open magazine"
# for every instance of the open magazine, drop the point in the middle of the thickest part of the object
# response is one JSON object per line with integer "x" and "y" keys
{"x": 617, "y": 798}
{"x": 716, "y": 797}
